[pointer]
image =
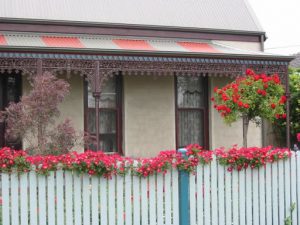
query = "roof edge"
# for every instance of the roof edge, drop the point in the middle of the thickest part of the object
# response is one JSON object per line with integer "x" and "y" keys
{"x": 129, "y": 26}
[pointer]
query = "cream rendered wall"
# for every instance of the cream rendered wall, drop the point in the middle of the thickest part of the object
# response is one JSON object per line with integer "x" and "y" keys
{"x": 72, "y": 107}
{"x": 149, "y": 115}
{"x": 223, "y": 135}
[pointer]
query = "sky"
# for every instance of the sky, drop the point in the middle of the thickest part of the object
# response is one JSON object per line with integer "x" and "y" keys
{"x": 281, "y": 21}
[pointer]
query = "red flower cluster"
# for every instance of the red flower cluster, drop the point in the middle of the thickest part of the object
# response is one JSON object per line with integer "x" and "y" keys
{"x": 239, "y": 158}
{"x": 298, "y": 137}
{"x": 101, "y": 164}
{"x": 253, "y": 95}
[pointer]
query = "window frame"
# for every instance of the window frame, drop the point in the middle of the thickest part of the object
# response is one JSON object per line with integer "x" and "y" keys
{"x": 204, "y": 109}
{"x": 118, "y": 109}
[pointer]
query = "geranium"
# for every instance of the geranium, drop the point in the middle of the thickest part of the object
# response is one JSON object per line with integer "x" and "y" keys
{"x": 101, "y": 164}
{"x": 242, "y": 158}
{"x": 251, "y": 97}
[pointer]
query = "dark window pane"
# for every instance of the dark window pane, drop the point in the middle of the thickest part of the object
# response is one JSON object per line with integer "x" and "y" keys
{"x": 108, "y": 95}
{"x": 107, "y": 123}
{"x": 190, "y": 93}
{"x": 190, "y": 127}
{"x": 107, "y": 143}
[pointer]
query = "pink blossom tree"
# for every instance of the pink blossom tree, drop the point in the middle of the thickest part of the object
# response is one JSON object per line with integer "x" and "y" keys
{"x": 33, "y": 119}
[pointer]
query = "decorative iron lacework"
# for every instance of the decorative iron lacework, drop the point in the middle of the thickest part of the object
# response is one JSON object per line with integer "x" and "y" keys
{"x": 97, "y": 71}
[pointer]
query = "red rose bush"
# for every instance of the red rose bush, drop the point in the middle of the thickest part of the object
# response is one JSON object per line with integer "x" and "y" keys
{"x": 251, "y": 97}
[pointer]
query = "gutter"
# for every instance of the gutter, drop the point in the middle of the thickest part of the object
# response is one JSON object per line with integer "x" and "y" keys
{"x": 86, "y": 51}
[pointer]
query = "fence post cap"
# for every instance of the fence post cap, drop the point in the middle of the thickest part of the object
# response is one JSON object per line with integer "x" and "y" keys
{"x": 182, "y": 150}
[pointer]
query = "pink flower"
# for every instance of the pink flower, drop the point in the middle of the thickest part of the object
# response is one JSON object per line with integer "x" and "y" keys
{"x": 298, "y": 137}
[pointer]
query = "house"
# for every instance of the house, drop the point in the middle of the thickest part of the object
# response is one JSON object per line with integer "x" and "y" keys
{"x": 295, "y": 63}
{"x": 150, "y": 66}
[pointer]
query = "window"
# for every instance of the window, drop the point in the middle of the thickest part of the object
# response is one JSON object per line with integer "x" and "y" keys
{"x": 110, "y": 115}
{"x": 191, "y": 111}
{"x": 10, "y": 91}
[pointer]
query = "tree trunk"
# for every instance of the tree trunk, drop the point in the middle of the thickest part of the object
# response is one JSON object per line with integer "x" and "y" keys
{"x": 245, "y": 130}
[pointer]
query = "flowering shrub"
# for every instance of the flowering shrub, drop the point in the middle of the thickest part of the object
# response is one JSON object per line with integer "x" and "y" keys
{"x": 101, "y": 164}
{"x": 249, "y": 97}
{"x": 253, "y": 95}
{"x": 239, "y": 158}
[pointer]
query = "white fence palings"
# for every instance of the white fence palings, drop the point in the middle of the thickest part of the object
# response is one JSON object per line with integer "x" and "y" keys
{"x": 294, "y": 189}
{"x": 253, "y": 196}
{"x": 24, "y": 199}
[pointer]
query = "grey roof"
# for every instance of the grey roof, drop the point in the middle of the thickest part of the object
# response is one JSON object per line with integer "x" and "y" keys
{"x": 295, "y": 63}
{"x": 234, "y": 15}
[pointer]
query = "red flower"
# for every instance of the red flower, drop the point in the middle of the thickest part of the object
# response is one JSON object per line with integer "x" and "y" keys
{"x": 282, "y": 99}
{"x": 278, "y": 116}
{"x": 276, "y": 78}
{"x": 246, "y": 106}
{"x": 249, "y": 72}
{"x": 298, "y": 137}
{"x": 283, "y": 116}
{"x": 240, "y": 104}
{"x": 273, "y": 106}
{"x": 215, "y": 89}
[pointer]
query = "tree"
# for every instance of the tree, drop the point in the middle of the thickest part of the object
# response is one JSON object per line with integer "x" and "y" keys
{"x": 33, "y": 118}
{"x": 251, "y": 97}
{"x": 280, "y": 125}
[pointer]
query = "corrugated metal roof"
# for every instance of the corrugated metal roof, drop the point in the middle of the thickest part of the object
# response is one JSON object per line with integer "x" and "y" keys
{"x": 120, "y": 44}
{"x": 206, "y": 14}
{"x": 295, "y": 63}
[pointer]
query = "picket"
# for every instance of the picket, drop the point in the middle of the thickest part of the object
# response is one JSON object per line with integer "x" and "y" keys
{"x": 50, "y": 198}
{"x": 95, "y": 200}
{"x": 42, "y": 200}
{"x": 281, "y": 190}
{"x": 24, "y": 199}
{"x": 293, "y": 180}
{"x": 253, "y": 196}
{"x": 193, "y": 195}
{"x": 103, "y": 201}
{"x": 275, "y": 193}
{"x": 59, "y": 197}
{"x": 175, "y": 197}
{"x": 69, "y": 197}
{"x": 200, "y": 195}
{"x": 77, "y": 200}
{"x": 5, "y": 199}
{"x": 221, "y": 192}
{"x": 128, "y": 199}
{"x": 262, "y": 194}
{"x": 228, "y": 200}
{"x": 14, "y": 181}
{"x": 269, "y": 218}
{"x": 235, "y": 198}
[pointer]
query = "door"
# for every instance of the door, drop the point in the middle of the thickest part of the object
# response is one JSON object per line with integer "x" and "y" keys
{"x": 10, "y": 91}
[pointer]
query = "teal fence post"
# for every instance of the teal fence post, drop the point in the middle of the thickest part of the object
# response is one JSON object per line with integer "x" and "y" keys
{"x": 184, "y": 188}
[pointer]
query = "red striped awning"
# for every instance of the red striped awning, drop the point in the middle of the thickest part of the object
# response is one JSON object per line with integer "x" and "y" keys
{"x": 113, "y": 43}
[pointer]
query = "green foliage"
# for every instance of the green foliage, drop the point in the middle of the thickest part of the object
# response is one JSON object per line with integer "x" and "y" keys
{"x": 280, "y": 126}
{"x": 288, "y": 220}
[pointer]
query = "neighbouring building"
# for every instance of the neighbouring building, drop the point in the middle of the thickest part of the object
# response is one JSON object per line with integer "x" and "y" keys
{"x": 150, "y": 66}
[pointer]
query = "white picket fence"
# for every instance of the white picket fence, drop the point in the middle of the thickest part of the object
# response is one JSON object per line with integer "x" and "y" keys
{"x": 217, "y": 197}
{"x": 260, "y": 196}
{"x": 64, "y": 198}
